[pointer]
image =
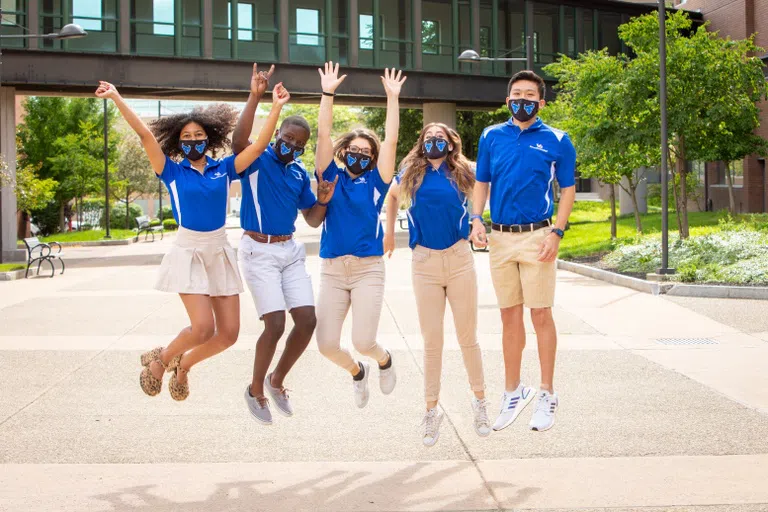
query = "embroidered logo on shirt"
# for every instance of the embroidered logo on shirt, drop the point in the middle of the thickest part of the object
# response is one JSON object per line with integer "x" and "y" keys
{"x": 539, "y": 147}
{"x": 218, "y": 175}
{"x": 360, "y": 181}
{"x": 297, "y": 174}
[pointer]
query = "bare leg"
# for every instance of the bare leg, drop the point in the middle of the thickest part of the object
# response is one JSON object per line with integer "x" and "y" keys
{"x": 513, "y": 343}
{"x": 304, "y": 322}
{"x": 546, "y": 333}
{"x": 274, "y": 327}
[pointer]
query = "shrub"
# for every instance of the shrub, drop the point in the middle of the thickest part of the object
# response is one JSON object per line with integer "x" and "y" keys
{"x": 170, "y": 224}
{"x": 154, "y": 222}
{"x": 167, "y": 213}
{"x": 47, "y": 219}
{"x": 117, "y": 216}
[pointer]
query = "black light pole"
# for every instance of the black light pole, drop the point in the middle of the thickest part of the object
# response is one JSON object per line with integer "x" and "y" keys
{"x": 664, "y": 141}
{"x": 159, "y": 182}
{"x": 106, "y": 170}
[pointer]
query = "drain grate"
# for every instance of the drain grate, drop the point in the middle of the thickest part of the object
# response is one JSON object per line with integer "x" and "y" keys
{"x": 686, "y": 341}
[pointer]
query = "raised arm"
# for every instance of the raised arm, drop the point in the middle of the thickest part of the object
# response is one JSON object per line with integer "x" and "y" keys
{"x": 280, "y": 97}
{"x": 392, "y": 85}
{"x": 329, "y": 80}
{"x": 393, "y": 206}
{"x": 259, "y": 84}
{"x": 155, "y": 154}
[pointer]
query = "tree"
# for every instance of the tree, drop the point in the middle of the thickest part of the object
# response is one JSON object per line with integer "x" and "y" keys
{"x": 410, "y": 127}
{"x": 712, "y": 83}
{"x": 50, "y": 118}
{"x": 133, "y": 175}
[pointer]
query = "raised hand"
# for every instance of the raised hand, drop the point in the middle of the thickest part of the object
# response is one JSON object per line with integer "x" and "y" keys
{"x": 392, "y": 81}
{"x": 260, "y": 80}
{"x": 325, "y": 188}
{"x": 280, "y": 95}
{"x": 106, "y": 91}
{"x": 330, "y": 80}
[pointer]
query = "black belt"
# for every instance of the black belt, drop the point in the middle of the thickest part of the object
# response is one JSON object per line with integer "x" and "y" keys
{"x": 520, "y": 228}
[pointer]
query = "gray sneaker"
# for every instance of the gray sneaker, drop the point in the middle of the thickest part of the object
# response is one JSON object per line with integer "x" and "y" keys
{"x": 361, "y": 387}
{"x": 259, "y": 407}
{"x": 280, "y": 397}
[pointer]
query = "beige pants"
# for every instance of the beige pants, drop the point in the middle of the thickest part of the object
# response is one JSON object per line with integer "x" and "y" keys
{"x": 438, "y": 275}
{"x": 350, "y": 281}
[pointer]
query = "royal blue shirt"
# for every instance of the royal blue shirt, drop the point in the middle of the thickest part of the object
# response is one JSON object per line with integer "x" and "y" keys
{"x": 352, "y": 225}
{"x": 520, "y": 165}
{"x": 273, "y": 194}
{"x": 437, "y": 218}
{"x": 199, "y": 200}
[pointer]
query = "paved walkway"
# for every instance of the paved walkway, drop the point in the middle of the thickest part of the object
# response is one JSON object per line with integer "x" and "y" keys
{"x": 642, "y": 425}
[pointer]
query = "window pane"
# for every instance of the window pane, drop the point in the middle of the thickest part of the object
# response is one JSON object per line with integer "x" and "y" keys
{"x": 162, "y": 10}
{"x": 245, "y": 21}
{"x": 588, "y": 30}
{"x": 396, "y": 27}
{"x": 546, "y": 23}
{"x": 511, "y": 30}
{"x": 609, "y": 32}
{"x": 89, "y": 9}
{"x": 307, "y": 22}
{"x": 430, "y": 36}
{"x": 366, "y": 32}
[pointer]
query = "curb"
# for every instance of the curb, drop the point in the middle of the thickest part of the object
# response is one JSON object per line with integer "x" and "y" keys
{"x": 17, "y": 274}
{"x": 719, "y": 292}
{"x": 92, "y": 243}
{"x": 634, "y": 283}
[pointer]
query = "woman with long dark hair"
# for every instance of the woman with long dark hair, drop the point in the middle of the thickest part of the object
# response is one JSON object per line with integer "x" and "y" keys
{"x": 201, "y": 265}
{"x": 434, "y": 183}
{"x": 352, "y": 269}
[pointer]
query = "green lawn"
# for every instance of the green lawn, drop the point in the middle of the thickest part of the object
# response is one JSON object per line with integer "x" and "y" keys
{"x": 93, "y": 235}
{"x": 10, "y": 267}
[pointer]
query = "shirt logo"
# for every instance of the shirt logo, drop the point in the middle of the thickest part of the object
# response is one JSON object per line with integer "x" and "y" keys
{"x": 299, "y": 175}
{"x": 218, "y": 175}
{"x": 360, "y": 181}
{"x": 539, "y": 147}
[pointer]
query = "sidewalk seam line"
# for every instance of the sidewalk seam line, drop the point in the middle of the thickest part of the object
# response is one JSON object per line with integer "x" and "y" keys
{"x": 472, "y": 459}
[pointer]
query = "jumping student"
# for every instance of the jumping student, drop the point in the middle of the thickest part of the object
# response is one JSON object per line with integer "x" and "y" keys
{"x": 519, "y": 161}
{"x": 435, "y": 181}
{"x": 275, "y": 188}
{"x": 201, "y": 265}
{"x": 352, "y": 268}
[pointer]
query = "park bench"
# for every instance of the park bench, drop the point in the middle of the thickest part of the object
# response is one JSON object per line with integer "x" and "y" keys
{"x": 41, "y": 252}
{"x": 402, "y": 218}
{"x": 143, "y": 225}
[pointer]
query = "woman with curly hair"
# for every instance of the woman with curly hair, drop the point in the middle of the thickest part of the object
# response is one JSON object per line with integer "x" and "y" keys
{"x": 201, "y": 265}
{"x": 352, "y": 269}
{"x": 435, "y": 181}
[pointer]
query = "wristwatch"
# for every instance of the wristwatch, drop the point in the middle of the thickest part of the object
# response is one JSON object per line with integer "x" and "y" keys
{"x": 558, "y": 232}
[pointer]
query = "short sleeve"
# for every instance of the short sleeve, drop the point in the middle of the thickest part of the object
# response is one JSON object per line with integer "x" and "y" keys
{"x": 483, "y": 165}
{"x": 306, "y": 198}
{"x": 330, "y": 172}
{"x": 565, "y": 166}
{"x": 170, "y": 171}
{"x": 229, "y": 167}
{"x": 399, "y": 176}
{"x": 378, "y": 182}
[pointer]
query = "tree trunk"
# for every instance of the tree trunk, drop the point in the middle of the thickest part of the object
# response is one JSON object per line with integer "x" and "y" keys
{"x": 683, "y": 212}
{"x": 127, "y": 211}
{"x": 675, "y": 192}
{"x": 62, "y": 220}
{"x": 633, "y": 193}
{"x": 731, "y": 198}
{"x": 614, "y": 233}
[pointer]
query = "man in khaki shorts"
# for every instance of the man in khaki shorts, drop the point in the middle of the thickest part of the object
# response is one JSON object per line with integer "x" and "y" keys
{"x": 518, "y": 161}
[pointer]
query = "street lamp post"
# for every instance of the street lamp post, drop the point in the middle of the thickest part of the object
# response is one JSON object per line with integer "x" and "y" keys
{"x": 664, "y": 270}
{"x": 106, "y": 171}
{"x": 472, "y": 56}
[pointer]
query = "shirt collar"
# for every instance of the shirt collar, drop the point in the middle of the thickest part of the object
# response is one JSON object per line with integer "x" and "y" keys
{"x": 210, "y": 164}
{"x": 535, "y": 126}
{"x": 443, "y": 167}
{"x": 271, "y": 152}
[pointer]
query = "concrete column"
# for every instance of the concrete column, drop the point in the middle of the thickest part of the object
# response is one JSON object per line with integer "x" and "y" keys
{"x": 33, "y": 24}
{"x": 625, "y": 200}
{"x": 284, "y": 50}
{"x": 8, "y": 223}
{"x": 417, "y": 63}
{"x": 208, "y": 29}
{"x": 440, "y": 113}
{"x": 354, "y": 33}
{"x": 124, "y": 28}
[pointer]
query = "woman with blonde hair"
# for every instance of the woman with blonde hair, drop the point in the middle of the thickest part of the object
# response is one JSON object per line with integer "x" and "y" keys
{"x": 434, "y": 183}
{"x": 352, "y": 269}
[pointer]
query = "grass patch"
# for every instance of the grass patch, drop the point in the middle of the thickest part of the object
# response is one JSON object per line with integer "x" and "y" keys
{"x": 10, "y": 267}
{"x": 93, "y": 235}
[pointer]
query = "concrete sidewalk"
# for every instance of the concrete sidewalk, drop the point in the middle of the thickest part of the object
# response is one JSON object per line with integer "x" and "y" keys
{"x": 642, "y": 424}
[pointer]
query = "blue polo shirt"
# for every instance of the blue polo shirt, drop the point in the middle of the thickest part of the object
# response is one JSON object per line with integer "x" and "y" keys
{"x": 520, "y": 165}
{"x": 199, "y": 200}
{"x": 352, "y": 225}
{"x": 273, "y": 194}
{"x": 438, "y": 217}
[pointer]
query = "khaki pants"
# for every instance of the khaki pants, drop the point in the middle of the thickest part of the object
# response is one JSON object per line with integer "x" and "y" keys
{"x": 350, "y": 281}
{"x": 438, "y": 275}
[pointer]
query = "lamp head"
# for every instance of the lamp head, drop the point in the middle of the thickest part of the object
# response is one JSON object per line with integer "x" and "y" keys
{"x": 71, "y": 31}
{"x": 469, "y": 56}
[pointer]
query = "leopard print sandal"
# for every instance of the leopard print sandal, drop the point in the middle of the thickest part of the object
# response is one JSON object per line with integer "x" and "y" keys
{"x": 149, "y": 384}
{"x": 177, "y": 390}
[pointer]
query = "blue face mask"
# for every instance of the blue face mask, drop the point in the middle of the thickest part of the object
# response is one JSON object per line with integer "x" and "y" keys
{"x": 358, "y": 163}
{"x": 287, "y": 152}
{"x": 523, "y": 110}
{"x": 194, "y": 150}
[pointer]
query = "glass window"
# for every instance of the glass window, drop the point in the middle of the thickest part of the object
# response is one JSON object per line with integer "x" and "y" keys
{"x": 396, "y": 33}
{"x": 430, "y": 36}
{"x": 546, "y": 22}
{"x": 366, "y": 32}
{"x": 84, "y": 12}
{"x": 485, "y": 41}
{"x": 569, "y": 31}
{"x": 245, "y": 17}
{"x": 511, "y": 37}
{"x": 162, "y": 10}
{"x": 13, "y": 23}
{"x": 608, "y": 34}
{"x": 307, "y": 23}
{"x": 339, "y": 49}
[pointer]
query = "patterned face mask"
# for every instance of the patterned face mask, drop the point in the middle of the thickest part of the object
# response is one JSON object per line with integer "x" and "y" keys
{"x": 523, "y": 110}
{"x": 194, "y": 150}
{"x": 287, "y": 152}
{"x": 357, "y": 163}
{"x": 435, "y": 148}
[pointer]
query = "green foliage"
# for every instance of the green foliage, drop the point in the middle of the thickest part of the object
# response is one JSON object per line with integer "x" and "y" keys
{"x": 10, "y": 267}
{"x": 32, "y": 193}
{"x": 471, "y": 123}
{"x": 167, "y": 213}
{"x": 154, "y": 222}
{"x": 117, "y": 219}
{"x": 93, "y": 235}
{"x": 133, "y": 175}
{"x": 78, "y": 162}
{"x": 170, "y": 225}
{"x": 410, "y": 127}
{"x": 47, "y": 218}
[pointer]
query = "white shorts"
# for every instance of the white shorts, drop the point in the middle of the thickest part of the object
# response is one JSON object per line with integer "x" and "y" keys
{"x": 276, "y": 275}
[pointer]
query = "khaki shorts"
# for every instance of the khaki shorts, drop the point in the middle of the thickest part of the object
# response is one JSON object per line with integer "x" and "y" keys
{"x": 518, "y": 276}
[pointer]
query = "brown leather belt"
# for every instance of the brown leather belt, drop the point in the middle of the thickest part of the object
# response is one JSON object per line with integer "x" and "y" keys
{"x": 521, "y": 228}
{"x": 268, "y": 239}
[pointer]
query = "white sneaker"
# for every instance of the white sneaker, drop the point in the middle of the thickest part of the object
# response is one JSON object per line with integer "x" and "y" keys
{"x": 431, "y": 423}
{"x": 387, "y": 378}
{"x": 512, "y": 404}
{"x": 362, "y": 393}
{"x": 480, "y": 410}
{"x": 544, "y": 415}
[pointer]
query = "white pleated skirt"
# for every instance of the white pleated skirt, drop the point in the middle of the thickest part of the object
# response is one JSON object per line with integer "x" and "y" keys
{"x": 200, "y": 263}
